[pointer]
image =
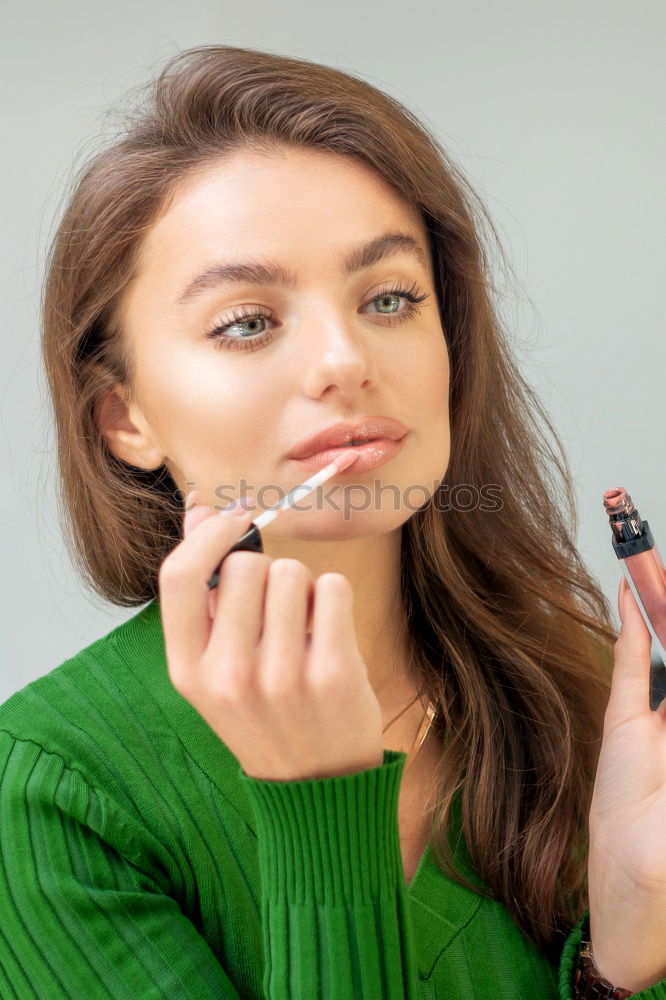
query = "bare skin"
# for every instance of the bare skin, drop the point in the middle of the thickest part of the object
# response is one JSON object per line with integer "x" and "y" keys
{"x": 218, "y": 417}
{"x": 414, "y": 824}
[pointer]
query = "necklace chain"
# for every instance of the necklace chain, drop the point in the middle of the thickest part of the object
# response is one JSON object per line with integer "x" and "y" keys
{"x": 424, "y": 729}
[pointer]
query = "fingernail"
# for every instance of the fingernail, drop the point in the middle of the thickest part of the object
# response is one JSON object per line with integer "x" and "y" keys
{"x": 234, "y": 508}
{"x": 191, "y": 500}
{"x": 242, "y": 506}
{"x": 191, "y": 503}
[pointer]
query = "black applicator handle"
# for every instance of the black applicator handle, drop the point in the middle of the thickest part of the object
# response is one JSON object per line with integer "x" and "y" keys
{"x": 251, "y": 541}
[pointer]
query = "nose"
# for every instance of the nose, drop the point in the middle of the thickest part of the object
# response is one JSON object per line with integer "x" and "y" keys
{"x": 338, "y": 357}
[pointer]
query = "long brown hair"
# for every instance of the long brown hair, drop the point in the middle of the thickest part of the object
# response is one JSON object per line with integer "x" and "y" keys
{"x": 511, "y": 636}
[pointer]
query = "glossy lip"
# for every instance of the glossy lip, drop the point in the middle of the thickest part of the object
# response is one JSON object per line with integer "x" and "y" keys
{"x": 370, "y": 456}
{"x": 376, "y": 428}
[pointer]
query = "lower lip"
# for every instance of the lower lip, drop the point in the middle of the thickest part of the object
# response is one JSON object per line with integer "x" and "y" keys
{"x": 370, "y": 455}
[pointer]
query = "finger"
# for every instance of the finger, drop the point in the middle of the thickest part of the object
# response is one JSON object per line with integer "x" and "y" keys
{"x": 283, "y": 641}
{"x": 196, "y": 512}
{"x": 183, "y": 588}
{"x": 630, "y": 685}
{"x": 332, "y": 619}
{"x": 195, "y": 516}
{"x": 236, "y": 627}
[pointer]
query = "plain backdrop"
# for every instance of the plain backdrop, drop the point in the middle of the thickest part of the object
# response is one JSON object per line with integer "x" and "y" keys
{"x": 555, "y": 112}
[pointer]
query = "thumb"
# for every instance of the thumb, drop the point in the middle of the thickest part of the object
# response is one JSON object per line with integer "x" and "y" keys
{"x": 194, "y": 512}
{"x": 630, "y": 688}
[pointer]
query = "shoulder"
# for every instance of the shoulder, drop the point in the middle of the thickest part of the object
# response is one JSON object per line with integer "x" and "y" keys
{"x": 112, "y": 714}
{"x": 94, "y": 709}
{"x": 106, "y": 740}
{"x": 94, "y": 674}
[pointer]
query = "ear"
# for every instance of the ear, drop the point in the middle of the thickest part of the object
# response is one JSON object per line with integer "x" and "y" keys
{"x": 127, "y": 434}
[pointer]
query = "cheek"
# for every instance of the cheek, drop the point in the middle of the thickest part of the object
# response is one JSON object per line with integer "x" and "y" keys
{"x": 434, "y": 407}
{"x": 425, "y": 375}
{"x": 196, "y": 388}
{"x": 439, "y": 378}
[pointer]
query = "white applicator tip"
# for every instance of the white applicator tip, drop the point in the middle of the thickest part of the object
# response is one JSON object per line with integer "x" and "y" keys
{"x": 339, "y": 464}
{"x": 343, "y": 462}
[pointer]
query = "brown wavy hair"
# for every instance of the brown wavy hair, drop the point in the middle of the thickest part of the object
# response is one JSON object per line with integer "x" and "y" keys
{"x": 510, "y": 634}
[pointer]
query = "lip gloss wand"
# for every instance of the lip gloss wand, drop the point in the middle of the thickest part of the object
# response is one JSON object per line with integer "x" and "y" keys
{"x": 251, "y": 540}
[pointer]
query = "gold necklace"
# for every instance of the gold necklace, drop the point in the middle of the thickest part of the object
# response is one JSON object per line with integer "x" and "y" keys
{"x": 421, "y": 735}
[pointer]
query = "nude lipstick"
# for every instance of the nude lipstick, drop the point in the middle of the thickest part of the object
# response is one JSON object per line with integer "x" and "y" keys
{"x": 376, "y": 440}
{"x": 371, "y": 455}
{"x": 251, "y": 540}
{"x": 641, "y": 563}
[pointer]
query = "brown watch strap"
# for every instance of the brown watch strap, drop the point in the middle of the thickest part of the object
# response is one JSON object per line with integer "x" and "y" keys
{"x": 588, "y": 983}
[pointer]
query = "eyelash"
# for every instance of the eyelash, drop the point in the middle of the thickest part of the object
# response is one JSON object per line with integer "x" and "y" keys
{"x": 246, "y": 344}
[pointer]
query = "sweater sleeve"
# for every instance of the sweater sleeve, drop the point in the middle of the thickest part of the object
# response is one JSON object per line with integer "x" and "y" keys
{"x": 335, "y": 911}
{"x": 568, "y": 966}
{"x": 86, "y": 908}
{"x": 82, "y": 909}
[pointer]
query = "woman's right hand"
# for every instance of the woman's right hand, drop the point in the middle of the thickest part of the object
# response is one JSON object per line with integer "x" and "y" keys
{"x": 289, "y": 705}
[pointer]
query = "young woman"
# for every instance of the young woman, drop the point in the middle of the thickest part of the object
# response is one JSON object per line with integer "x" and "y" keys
{"x": 363, "y": 765}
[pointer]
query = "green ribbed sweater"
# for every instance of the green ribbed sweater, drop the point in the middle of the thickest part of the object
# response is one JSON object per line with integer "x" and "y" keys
{"x": 138, "y": 860}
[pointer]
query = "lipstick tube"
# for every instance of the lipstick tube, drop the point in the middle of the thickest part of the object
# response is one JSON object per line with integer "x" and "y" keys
{"x": 642, "y": 565}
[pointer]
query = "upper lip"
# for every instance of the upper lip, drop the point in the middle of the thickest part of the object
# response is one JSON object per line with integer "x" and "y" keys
{"x": 343, "y": 433}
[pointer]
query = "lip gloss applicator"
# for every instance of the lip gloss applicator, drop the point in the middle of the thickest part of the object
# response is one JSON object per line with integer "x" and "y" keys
{"x": 251, "y": 540}
{"x": 641, "y": 563}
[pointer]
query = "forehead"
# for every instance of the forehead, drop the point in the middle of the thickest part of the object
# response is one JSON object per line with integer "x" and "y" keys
{"x": 305, "y": 201}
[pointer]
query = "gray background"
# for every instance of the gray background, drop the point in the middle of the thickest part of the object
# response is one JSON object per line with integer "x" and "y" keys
{"x": 554, "y": 112}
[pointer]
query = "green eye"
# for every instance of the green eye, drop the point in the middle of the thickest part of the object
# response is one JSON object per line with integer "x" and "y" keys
{"x": 241, "y": 317}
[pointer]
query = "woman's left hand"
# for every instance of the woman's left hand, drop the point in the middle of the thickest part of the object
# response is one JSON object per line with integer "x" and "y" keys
{"x": 627, "y": 821}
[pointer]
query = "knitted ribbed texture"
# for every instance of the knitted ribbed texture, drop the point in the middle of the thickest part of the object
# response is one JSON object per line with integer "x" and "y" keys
{"x": 333, "y": 886}
{"x": 138, "y": 860}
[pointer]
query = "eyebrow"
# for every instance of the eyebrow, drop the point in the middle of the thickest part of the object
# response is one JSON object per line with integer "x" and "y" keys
{"x": 271, "y": 273}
